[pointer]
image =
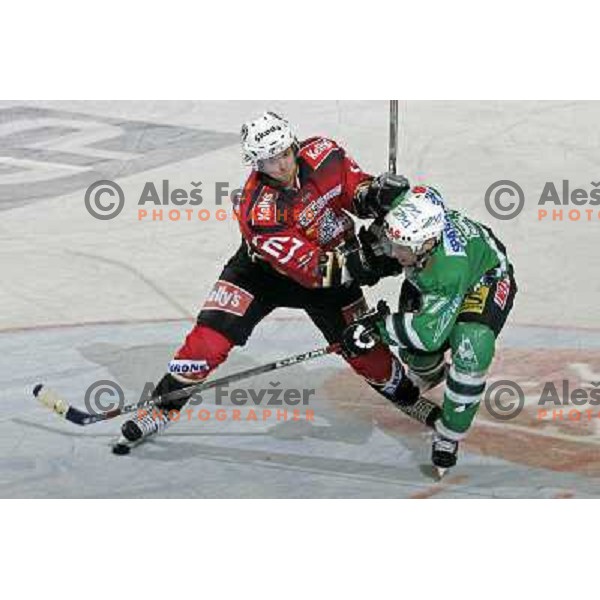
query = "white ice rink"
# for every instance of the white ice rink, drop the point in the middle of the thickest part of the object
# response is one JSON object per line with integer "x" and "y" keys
{"x": 85, "y": 299}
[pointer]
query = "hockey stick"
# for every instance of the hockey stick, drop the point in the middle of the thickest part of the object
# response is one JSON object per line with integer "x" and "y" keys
{"x": 54, "y": 402}
{"x": 393, "y": 148}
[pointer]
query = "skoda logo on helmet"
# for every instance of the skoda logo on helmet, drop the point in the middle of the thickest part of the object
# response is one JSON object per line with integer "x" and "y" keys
{"x": 262, "y": 134}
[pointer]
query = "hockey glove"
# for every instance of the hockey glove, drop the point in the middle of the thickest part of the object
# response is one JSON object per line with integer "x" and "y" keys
{"x": 375, "y": 257}
{"x": 376, "y": 199}
{"x": 357, "y": 263}
{"x": 362, "y": 336}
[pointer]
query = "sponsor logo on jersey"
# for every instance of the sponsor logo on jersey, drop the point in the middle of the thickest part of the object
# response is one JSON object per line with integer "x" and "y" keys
{"x": 188, "y": 367}
{"x": 453, "y": 244}
{"x": 308, "y": 215}
{"x": 502, "y": 292}
{"x": 316, "y": 152}
{"x": 264, "y": 211}
{"x": 229, "y": 298}
{"x": 331, "y": 226}
{"x": 475, "y": 301}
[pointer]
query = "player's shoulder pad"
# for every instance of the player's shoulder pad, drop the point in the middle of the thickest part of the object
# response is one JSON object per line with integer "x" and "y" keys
{"x": 444, "y": 275}
{"x": 266, "y": 211}
{"x": 316, "y": 150}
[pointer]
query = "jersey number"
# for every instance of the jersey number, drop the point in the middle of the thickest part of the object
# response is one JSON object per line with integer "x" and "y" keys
{"x": 278, "y": 245}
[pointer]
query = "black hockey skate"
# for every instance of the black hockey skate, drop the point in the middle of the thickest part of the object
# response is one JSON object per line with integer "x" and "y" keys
{"x": 135, "y": 431}
{"x": 443, "y": 453}
{"x": 406, "y": 397}
{"x": 154, "y": 421}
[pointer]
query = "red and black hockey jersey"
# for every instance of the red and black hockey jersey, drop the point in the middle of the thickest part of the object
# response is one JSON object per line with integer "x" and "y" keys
{"x": 292, "y": 227}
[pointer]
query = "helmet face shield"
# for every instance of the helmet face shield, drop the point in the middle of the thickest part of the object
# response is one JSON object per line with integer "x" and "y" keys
{"x": 407, "y": 256}
{"x": 398, "y": 251}
{"x": 281, "y": 167}
{"x": 386, "y": 245}
{"x": 403, "y": 254}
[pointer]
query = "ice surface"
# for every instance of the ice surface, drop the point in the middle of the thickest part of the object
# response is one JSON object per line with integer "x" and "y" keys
{"x": 84, "y": 300}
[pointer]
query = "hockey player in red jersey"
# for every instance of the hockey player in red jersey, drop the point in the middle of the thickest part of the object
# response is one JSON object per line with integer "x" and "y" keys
{"x": 298, "y": 250}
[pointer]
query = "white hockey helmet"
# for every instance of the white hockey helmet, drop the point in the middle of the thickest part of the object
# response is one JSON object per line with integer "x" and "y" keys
{"x": 416, "y": 219}
{"x": 266, "y": 137}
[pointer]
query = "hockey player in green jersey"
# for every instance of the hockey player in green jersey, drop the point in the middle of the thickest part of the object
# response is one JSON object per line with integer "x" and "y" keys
{"x": 458, "y": 290}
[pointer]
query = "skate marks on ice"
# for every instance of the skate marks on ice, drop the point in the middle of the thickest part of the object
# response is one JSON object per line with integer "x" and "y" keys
{"x": 45, "y": 456}
{"x": 497, "y": 459}
{"x": 357, "y": 446}
{"x": 566, "y": 437}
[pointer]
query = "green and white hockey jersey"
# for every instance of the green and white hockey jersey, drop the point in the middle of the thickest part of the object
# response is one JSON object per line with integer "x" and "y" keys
{"x": 468, "y": 258}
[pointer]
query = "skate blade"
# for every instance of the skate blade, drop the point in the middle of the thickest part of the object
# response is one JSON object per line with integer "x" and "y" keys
{"x": 432, "y": 472}
{"x": 439, "y": 472}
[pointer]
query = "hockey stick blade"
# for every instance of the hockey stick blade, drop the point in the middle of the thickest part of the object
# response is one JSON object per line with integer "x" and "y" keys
{"x": 55, "y": 403}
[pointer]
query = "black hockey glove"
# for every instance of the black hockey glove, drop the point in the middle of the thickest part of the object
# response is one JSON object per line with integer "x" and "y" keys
{"x": 361, "y": 336}
{"x": 357, "y": 263}
{"x": 364, "y": 261}
{"x": 379, "y": 262}
{"x": 376, "y": 199}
